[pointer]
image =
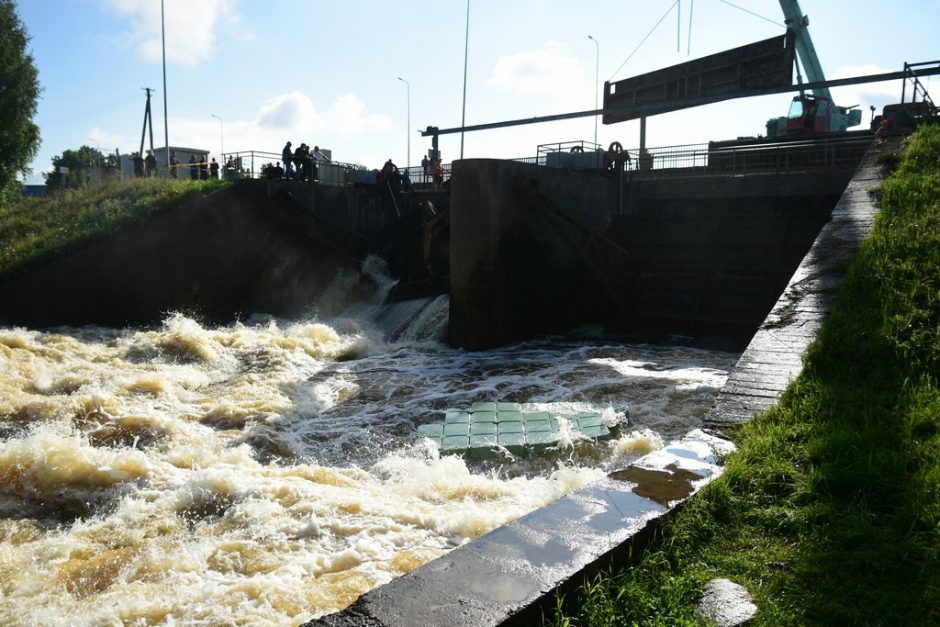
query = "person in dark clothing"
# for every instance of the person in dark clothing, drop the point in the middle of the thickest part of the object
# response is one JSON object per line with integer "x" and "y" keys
{"x": 204, "y": 168}
{"x": 214, "y": 169}
{"x": 193, "y": 168}
{"x": 286, "y": 156}
{"x": 300, "y": 162}
{"x": 151, "y": 164}
{"x": 138, "y": 165}
{"x": 174, "y": 165}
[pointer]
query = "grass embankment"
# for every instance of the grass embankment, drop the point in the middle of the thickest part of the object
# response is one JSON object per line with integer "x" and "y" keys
{"x": 829, "y": 513}
{"x": 33, "y": 230}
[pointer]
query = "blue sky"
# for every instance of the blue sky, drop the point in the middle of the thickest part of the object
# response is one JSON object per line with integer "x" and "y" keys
{"x": 327, "y": 72}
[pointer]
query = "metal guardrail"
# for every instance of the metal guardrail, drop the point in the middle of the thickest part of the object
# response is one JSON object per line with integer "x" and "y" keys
{"x": 732, "y": 157}
{"x": 255, "y": 163}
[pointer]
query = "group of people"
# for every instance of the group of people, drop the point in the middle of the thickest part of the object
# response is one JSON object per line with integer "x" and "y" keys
{"x": 200, "y": 166}
{"x": 433, "y": 171}
{"x": 199, "y": 169}
{"x": 301, "y": 164}
{"x": 144, "y": 166}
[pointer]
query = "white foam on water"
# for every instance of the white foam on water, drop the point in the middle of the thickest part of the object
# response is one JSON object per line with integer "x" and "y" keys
{"x": 265, "y": 472}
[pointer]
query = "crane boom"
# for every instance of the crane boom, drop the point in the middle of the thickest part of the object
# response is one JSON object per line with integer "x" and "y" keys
{"x": 815, "y": 113}
{"x": 805, "y": 51}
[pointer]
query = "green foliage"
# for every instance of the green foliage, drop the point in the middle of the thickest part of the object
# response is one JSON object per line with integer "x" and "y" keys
{"x": 35, "y": 229}
{"x": 80, "y": 163}
{"x": 19, "y": 136}
{"x": 828, "y": 513}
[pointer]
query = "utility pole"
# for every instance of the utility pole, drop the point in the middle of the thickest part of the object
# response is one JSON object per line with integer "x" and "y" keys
{"x": 147, "y": 118}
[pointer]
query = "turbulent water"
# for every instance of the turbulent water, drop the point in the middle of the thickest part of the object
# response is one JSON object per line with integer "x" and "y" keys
{"x": 265, "y": 472}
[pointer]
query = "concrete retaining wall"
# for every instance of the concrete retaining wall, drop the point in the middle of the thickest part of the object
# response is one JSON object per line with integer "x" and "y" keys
{"x": 541, "y": 250}
{"x": 229, "y": 254}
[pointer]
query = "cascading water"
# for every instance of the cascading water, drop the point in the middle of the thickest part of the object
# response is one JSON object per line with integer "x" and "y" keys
{"x": 265, "y": 472}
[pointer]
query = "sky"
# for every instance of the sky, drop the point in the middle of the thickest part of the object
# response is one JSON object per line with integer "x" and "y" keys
{"x": 362, "y": 77}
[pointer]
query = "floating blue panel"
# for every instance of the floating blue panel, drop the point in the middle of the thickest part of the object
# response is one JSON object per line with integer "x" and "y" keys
{"x": 477, "y": 428}
{"x": 457, "y": 428}
{"x": 509, "y": 427}
{"x": 483, "y": 416}
{"x": 482, "y": 406}
{"x": 488, "y": 439}
{"x": 456, "y": 415}
{"x": 431, "y": 431}
{"x": 455, "y": 442}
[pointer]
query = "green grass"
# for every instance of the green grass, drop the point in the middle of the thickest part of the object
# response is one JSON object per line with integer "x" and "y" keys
{"x": 33, "y": 230}
{"x": 829, "y": 513}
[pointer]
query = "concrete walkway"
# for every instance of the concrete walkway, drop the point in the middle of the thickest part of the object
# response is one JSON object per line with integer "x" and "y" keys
{"x": 774, "y": 356}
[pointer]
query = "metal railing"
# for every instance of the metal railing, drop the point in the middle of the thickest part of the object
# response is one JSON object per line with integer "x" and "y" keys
{"x": 734, "y": 157}
{"x": 739, "y": 157}
{"x": 258, "y": 163}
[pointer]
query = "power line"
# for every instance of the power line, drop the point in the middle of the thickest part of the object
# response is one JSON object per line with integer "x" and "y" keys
{"x": 97, "y": 108}
{"x": 748, "y": 11}
{"x": 668, "y": 11}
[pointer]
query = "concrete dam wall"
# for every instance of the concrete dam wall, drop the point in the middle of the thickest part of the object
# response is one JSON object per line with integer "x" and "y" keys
{"x": 543, "y": 250}
{"x": 228, "y": 254}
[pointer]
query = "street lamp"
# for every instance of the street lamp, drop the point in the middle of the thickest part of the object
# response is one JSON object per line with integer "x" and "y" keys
{"x": 408, "y": 92}
{"x": 466, "y": 48}
{"x": 166, "y": 126}
{"x": 221, "y": 136}
{"x": 597, "y": 69}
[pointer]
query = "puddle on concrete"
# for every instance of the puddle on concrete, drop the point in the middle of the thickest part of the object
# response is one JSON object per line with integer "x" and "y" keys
{"x": 662, "y": 486}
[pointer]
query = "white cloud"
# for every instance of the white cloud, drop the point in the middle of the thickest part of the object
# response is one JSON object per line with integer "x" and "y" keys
{"x": 295, "y": 112}
{"x": 191, "y": 27}
{"x": 870, "y": 94}
{"x": 291, "y": 116}
{"x": 285, "y": 112}
{"x": 104, "y": 140}
{"x": 551, "y": 71}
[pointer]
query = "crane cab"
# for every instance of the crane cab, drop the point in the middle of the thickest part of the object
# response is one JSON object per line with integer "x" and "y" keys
{"x": 809, "y": 114}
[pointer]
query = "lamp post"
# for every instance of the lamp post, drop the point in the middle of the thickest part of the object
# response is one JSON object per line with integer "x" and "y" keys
{"x": 466, "y": 48}
{"x": 408, "y": 93}
{"x": 221, "y": 136}
{"x": 166, "y": 127}
{"x": 597, "y": 69}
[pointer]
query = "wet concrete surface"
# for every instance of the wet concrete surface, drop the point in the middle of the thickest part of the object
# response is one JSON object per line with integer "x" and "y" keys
{"x": 774, "y": 356}
{"x": 510, "y": 575}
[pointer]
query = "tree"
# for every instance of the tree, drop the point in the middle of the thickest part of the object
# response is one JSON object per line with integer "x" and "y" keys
{"x": 19, "y": 91}
{"x": 81, "y": 164}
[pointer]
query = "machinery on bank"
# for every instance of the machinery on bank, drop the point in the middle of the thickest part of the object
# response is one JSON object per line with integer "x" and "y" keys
{"x": 813, "y": 112}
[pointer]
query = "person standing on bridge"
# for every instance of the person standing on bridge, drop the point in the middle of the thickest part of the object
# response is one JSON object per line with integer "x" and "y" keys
{"x": 318, "y": 157}
{"x": 438, "y": 174}
{"x": 287, "y": 156}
